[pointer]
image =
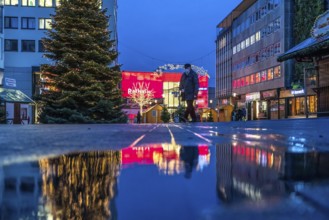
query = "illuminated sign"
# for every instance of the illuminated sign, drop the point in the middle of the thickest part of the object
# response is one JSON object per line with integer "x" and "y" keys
{"x": 297, "y": 92}
{"x": 132, "y": 81}
{"x": 252, "y": 96}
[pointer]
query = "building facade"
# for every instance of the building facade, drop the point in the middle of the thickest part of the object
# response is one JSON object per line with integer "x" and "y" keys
{"x": 25, "y": 24}
{"x": 260, "y": 30}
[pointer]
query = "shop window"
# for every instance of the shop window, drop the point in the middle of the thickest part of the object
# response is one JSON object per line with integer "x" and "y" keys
{"x": 257, "y": 78}
{"x": 277, "y": 72}
{"x": 263, "y": 75}
{"x": 23, "y": 113}
{"x": 270, "y": 74}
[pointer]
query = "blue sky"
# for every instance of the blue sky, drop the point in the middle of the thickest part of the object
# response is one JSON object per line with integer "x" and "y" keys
{"x": 156, "y": 32}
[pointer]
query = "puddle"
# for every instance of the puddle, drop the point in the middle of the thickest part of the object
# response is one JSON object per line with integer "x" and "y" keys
{"x": 164, "y": 181}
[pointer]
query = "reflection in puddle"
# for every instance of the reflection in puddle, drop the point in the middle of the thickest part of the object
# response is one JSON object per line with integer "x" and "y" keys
{"x": 84, "y": 185}
{"x": 170, "y": 159}
{"x": 154, "y": 180}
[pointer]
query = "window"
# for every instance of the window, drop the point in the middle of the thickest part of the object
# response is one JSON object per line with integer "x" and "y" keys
{"x": 247, "y": 80}
{"x": 58, "y": 2}
{"x": 46, "y": 3}
{"x": 28, "y": 46}
{"x": 242, "y": 82}
{"x": 252, "y": 39}
{"x": 252, "y": 79}
{"x": 248, "y": 42}
{"x": 44, "y": 23}
{"x": 28, "y": 23}
{"x": 270, "y": 74}
{"x": 238, "y": 83}
{"x": 41, "y": 47}
{"x": 11, "y": 2}
{"x": 234, "y": 84}
{"x": 258, "y": 36}
{"x": 154, "y": 113}
{"x": 243, "y": 45}
{"x": 257, "y": 78}
{"x": 238, "y": 47}
{"x": 263, "y": 75}
{"x": 234, "y": 50}
{"x": 11, "y": 45}
{"x": 29, "y": 3}
{"x": 11, "y": 22}
{"x": 277, "y": 72}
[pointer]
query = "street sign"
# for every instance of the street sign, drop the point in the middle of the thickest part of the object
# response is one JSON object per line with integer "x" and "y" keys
{"x": 10, "y": 82}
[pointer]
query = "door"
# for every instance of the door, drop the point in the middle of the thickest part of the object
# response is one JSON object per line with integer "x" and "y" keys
{"x": 17, "y": 113}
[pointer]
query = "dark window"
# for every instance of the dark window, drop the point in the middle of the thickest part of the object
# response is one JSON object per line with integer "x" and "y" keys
{"x": 41, "y": 47}
{"x": 28, "y": 23}
{"x": 11, "y": 45}
{"x": 28, "y": 46}
{"x": 11, "y": 22}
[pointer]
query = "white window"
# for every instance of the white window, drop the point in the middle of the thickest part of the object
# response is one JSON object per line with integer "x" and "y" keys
{"x": 234, "y": 50}
{"x": 252, "y": 39}
{"x": 44, "y": 23}
{"x": 243, "y": 45}
{"x": 258, "y": 36}
{"x": 28, "y": 3}
{"x": 11, "y": 2}
{"x": 248, "y": 42}
{"x": 238, "y": 48}
{"x": 46, "y": 3}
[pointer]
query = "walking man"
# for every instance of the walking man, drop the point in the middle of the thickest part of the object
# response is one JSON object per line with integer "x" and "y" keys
{"x": 189, "y": 87}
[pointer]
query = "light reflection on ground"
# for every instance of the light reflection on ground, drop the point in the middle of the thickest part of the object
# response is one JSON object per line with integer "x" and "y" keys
{"x": 159, "y": 181}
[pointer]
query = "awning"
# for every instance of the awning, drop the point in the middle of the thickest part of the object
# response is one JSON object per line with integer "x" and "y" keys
{"x": 311, "y": 47}
{"x": 13, "y": 95}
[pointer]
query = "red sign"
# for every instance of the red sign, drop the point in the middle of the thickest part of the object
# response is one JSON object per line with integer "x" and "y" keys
{"x": 142, "y": 82}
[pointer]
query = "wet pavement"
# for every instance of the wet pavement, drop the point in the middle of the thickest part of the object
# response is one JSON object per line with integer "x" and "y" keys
{"x": 237, "y": 170}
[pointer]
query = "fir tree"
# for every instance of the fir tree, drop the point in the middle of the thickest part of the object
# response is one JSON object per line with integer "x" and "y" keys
{"x": 83, "y": 78}
{"x": 165, "y": 115}
{"x": 306, "y": 12}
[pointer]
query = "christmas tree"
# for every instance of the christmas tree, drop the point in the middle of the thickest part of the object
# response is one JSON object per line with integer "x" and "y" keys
{"x": 82, "y": 81}
{"x": 165, "y": 115}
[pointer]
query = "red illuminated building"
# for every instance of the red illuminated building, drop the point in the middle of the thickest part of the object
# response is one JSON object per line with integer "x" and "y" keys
{"x": 165, "y": 87}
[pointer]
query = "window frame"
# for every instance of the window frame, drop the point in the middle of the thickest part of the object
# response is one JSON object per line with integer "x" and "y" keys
{"x": 12, "y": 40}
{"x": 22, "y": 47}
{"x": 10, "y": 26}
{"x": 28, "y": 19}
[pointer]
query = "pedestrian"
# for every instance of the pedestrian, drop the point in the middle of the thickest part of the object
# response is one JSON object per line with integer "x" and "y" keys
{"x": 189, "y": 88}
{"x": 138, "y": 117}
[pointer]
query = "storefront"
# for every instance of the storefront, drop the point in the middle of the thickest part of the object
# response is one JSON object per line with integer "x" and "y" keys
{"x": 255, "y": 107}
{"x": 296, "y": 104}
{"x": 313, "y": 97}
{"x": 16, "y": 105}
{"x": 272, "y": 106}
{"x": 164, "y": 86}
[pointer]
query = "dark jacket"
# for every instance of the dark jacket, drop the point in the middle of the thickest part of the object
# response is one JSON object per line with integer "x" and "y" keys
{"x": 190, "y": 84}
